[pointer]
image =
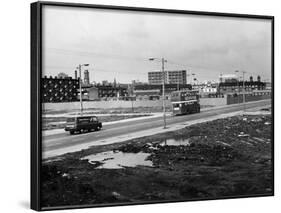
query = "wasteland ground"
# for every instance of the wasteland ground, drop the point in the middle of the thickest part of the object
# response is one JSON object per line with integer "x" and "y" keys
{"x": 221, "y": 158}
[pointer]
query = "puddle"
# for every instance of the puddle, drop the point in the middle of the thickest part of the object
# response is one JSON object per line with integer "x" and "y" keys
{"x": 119, "y": 160}
{"x": 175, "y": 142}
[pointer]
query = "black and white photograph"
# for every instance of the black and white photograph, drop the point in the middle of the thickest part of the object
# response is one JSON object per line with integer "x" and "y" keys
{"x": 143, "y": 106}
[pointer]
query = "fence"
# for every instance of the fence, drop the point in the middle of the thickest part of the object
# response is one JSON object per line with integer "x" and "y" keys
{"x": 248, "y": 98}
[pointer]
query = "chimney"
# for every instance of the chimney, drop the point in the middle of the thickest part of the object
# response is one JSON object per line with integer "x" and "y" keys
{"x": 259, "y": 78}
{"x": 75, "y": 74}
{"x": 251, "y": 78}
{"x": 114, "y": 82}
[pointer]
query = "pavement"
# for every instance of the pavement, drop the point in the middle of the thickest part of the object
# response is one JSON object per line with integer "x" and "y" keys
{"x": 63, "y": 142}
{"x": 147, "y": 116}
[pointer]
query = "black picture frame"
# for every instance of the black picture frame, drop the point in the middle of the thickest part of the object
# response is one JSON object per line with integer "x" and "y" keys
{"x": 36, "y": 109}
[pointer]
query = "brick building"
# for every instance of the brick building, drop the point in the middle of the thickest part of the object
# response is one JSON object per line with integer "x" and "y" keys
{"x": 98, "y": 92}
{"x": 54, "y": 89}
{"x": 234, "y": 87}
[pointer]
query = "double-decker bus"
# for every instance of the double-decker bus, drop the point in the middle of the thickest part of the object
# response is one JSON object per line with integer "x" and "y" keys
{"x": 185, "y": 102}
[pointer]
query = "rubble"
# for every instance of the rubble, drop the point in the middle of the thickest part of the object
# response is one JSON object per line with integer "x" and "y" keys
{"x": 225, "y": 157}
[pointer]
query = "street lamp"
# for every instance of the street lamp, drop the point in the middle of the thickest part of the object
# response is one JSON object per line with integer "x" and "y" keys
{"x": 178, "y": 83}
{"x": 244, "y": 89}
{"x": 243, "y": 72}
{"x": 193, "y": 79}
{"x": 193, "y": 74}
{"x": 80, "y": 86}
{"x": 163, "y": 87}
{"x": 238, "y": 86}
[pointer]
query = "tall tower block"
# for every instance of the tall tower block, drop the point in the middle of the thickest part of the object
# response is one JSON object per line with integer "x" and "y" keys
{"x": 86, "y": 77}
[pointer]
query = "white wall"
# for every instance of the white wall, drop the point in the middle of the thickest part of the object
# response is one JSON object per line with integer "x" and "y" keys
{"x": 15, "y": 107}
{"x": 123, "y": 104}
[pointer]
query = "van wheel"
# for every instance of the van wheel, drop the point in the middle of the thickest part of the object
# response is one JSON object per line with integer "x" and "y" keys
{"x": 71, "y": 132}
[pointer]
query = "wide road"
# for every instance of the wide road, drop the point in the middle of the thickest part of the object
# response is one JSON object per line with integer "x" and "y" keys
{"x": 64, "y": 140}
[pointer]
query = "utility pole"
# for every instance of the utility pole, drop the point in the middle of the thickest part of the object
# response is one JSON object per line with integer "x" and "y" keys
{"x": 163, "y": 93}
{"x": 163, "y": 88}
{"x": 80, "y": 87}
{"x": 244, "y": 90}
{"x": 238, "y": 86}
{"x": 132, "y": 102}
{"x": 193, "y": 74}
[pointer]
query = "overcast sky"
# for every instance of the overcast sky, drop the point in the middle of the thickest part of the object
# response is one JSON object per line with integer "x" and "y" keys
{"x": 117, "y": 44}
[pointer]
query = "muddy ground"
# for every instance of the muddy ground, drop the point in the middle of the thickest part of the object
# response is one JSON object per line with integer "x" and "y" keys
{"x": 225, "y": 157}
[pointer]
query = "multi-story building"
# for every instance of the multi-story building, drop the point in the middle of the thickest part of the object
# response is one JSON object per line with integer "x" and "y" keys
{"x": 177, "y": 77}
{"x": 154, "y": 91}
{"x": 228, "y": 78}
{"x": 156, "y": 77}
{"x": 86, "y": 77}
{"x": 171, "y": 77}
{"x": 59, "y": 89}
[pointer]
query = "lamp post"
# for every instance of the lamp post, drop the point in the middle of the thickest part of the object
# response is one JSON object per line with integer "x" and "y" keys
{"x": 80, "y": 86}
{"x": 163, "y": 88}
{"x": 193, "y": 74}
{"x": 244, "y": 90}
{"x": 237, "y": 71}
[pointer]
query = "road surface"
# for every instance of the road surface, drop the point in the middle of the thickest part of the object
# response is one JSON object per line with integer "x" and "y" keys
{"x": 65, "y": 140}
